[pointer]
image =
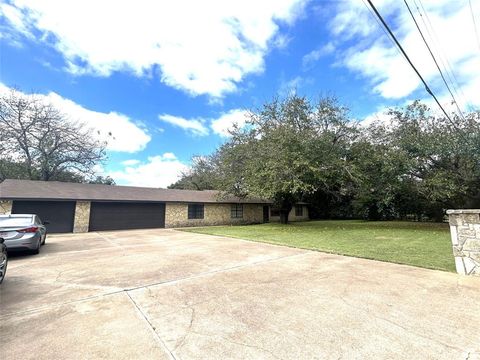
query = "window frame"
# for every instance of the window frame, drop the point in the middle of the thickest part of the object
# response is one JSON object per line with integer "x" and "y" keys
{"x": 236, "y": 211}
{"x": 274, "y": 212}
{"x": 298, "y": 210}
{"x": 196, "y": 211}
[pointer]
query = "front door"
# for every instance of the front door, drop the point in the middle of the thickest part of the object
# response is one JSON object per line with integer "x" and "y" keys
{"x": 266, "y": 214}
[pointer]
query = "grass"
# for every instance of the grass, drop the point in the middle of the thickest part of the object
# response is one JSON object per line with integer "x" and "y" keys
{"x": 419, "y": 244}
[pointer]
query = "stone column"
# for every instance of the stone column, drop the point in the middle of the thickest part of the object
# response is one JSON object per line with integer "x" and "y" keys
{"x": 465, "y": 232}
{"x": 82, "y": 216}
{"x": 5, "y": 207}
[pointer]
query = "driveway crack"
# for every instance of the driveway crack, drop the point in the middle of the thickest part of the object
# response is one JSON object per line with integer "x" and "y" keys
{"x": 221, "y": 270}
{"x": 152, "y": 328}
{"x": 392, "y": 322}
{"x": 181, "y": 342}
{"x": 252, "y": 346}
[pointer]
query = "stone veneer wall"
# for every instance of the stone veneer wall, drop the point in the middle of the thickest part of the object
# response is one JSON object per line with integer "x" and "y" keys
{"x": 176, "y": 215}
{"x": 292, "y": 217}
{"x": 5, "y": 207}
{"x": 465, "y": 234}
{"x": 82, "y": 216}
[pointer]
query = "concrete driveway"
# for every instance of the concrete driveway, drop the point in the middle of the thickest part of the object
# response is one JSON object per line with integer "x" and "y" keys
{"x": 163, "y": 294}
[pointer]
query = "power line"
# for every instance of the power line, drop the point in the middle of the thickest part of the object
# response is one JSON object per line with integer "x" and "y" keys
{"x": 443, "y": 56}
{"x": 474, "y": 23}
{"x": 434, "y": 59}
{"x": 381, "y": 27}
{"x": 453, "y": 79}
{"x": 427, "y": 88}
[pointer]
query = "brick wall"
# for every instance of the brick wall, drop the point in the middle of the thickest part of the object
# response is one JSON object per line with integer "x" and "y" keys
{"x": 82, "y": 216}
{"x": 5, "y": 207}
{"x": 176, "y": 215}
{"x": 292, "y": 217}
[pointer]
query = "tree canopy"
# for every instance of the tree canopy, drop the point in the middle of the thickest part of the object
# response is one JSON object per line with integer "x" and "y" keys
{"x": 416, "y": 164}
{"x": 288, "y": 150}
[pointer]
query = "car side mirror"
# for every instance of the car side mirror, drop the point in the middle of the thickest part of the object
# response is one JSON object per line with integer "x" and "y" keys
{"x": 2, "y": 240}
{"x": 46, "y": 222}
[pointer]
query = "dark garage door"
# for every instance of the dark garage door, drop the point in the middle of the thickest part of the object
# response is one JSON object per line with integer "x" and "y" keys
{"x": 123, "y": 216}
{"x": 59, "y": 214}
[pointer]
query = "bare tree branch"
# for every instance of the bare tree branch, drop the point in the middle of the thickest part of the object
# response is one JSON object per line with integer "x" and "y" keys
{"x": 44, "y": 140}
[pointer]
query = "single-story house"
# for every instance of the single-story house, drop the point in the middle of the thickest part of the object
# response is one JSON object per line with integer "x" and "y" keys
{"x": 73, "y": 207}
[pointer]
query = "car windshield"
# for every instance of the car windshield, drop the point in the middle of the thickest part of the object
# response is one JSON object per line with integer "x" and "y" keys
{"x": 15, "y": 221}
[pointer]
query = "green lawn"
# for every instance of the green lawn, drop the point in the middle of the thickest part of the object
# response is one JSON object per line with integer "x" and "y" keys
{"x": 419, "y": 244}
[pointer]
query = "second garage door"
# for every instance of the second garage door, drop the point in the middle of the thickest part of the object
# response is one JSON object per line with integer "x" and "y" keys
{"x": 123, "y": 216}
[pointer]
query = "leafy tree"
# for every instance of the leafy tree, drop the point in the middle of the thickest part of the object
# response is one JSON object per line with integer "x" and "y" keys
{"x": 201, "y": 175}
{"x": 380, "y": 169}
{"x": 104, "y": 180}
{"x": 445, "y": 157}
{"x": 415, "y": 165}
{"x": 418, "y": 164}
{"x": 38, "y": 142}
{"x": 289, "y": 149}
{"x": 12, "y": 170}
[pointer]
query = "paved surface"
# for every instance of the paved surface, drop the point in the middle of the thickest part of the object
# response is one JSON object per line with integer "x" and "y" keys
{"x": 163, "y": 294}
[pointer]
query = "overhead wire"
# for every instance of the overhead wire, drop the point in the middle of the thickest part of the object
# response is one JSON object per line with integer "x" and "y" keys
{"x": 427, "y": 88}
{"x": 474, "y": 23}
{"x": 443, "y": 56}
{"x": 381, "y": 26}
{"x": 434, "y": 59}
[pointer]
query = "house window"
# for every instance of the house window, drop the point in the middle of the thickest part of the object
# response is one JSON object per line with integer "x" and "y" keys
{"x": 274, "y": 212}
{"x": 195, "y": 211}
{"x": 298, "y": 210}
{"x": 237, "y": 211}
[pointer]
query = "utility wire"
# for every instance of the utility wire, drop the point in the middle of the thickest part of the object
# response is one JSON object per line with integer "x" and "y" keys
{"x": 474, "y": 23}
{"x": 381, "y": 27}
{"x": 443, "y": 56}
{"x": 446, "y": 59}
{"x": 434, "y": 59}
{"x": 427, "y": 88}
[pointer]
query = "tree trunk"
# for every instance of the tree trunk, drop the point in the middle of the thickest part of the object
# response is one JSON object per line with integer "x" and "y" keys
{"x": 284, "y": 212}
{"x": 373, "y": 213}
{"x": 439, "y": 215}
{"x": 284, "y": 216}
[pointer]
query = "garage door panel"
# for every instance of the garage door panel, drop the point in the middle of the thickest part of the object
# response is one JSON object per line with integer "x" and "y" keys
{"x": 59, "y": 214}
{"x": 124, "y": 216}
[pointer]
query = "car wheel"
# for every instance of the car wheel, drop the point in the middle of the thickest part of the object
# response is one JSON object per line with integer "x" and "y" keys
{"x": 37, "y": 249}
{"x": 44, "y": 238}
{"x": 3, "y": 266}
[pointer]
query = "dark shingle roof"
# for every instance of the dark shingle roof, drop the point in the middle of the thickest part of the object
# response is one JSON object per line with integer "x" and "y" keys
{"x": 55, "y": 190}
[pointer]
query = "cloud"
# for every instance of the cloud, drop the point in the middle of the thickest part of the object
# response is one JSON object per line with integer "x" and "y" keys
{"x": 169, "y": 156}
{"x": 368, "y": 52}
{"x": 199, "y": 127}
{"x": 380, "y": 116}
{"x": 130, "y": 162}
{"x": 291, "y": 86}
{"x": 200, "y": 47}
{"x": 226, "y": 121}
{"x": 309, "y": 60}
{"x": 121, "y": 133}
{"x": 157, "y": 171}
{"x": 192, "y": 126}
{"x": 281, "y": 41}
